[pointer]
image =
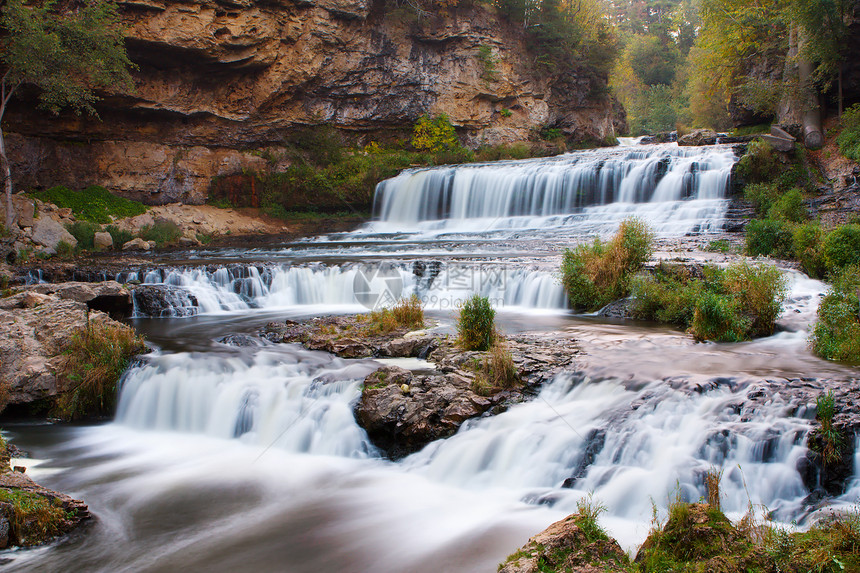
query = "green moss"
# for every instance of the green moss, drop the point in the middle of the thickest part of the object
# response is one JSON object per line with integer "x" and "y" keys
{"x": 849, "y": 136}
{"x": 95, "y": 204}
{"x": 35, "y": 518}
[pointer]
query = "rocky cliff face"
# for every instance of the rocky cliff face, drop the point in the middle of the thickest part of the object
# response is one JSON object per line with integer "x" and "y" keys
{"x": 219, "y": 79}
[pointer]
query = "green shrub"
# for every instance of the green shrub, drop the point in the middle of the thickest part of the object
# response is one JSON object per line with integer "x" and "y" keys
{"x": 849, "y": 138}
{"x": 119, "y": 236}
{"x": 497, "y": 371}
{"x": 162, "y": 232}
{"x": 760, "y": 163}
{"x": 595, "y": 275}
{"x": 95, "y": 204}
{"x": 836, "y": 335}
{"x": 768, "y": 237}
{"x": 760, "y": 290}
{"x": 762, "y": 195}
{"x": 807, "y": 244}
{"x": 842, "y": 247}
{"x": 84, "y": 232}
{"x": 719, "y": 246}
{"x": 730, "y": 304}
{"x": 94, "y": 361}
{"x": 64, "y": 250}
{"x": 789, "y": 207}
{"x": 434, "y": 134}
{"x": 476, "y": 324}
{"x": 718, "y": 317}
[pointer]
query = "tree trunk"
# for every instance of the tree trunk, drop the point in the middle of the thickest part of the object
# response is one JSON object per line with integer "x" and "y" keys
{"x": 6, "y": 173}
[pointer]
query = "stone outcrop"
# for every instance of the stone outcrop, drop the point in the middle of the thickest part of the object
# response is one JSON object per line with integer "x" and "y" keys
{"x": 33, "y": 514}
{"x": 36, "y": 325}
{"x": 217, "y": 80}
{"x": 698, "y": 137}
{"x": 403, "y": 411}
{"x": 567, "y": 546}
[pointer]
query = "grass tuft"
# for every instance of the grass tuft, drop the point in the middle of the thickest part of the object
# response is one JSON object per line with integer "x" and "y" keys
{"x": 94, "y": 362}
{"x": 476, "y": 324}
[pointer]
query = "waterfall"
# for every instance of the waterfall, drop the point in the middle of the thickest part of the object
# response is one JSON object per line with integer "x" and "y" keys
{"x": 675, "y": 189}
{"x": 187, "y": 291}
{"x": 288, "y": 398}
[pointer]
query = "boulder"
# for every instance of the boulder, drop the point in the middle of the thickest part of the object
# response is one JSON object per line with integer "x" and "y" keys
{"x": 699, "y": 137}
{"x": 49, "y": 233}
{"x": 163, "y": 301}
{"x": 102, "y": 241}
{"x": 570, "y": 545}
{"x": 137, "y": 244}
{"x": 108, "y": 296}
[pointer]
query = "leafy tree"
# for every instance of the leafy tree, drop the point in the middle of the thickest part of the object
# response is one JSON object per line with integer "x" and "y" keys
{"x": 434, "y": 134}
{"x": 654, "y": 62}
{"x": 66, "y": 54}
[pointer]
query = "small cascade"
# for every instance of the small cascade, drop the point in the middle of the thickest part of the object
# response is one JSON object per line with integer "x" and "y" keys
{"x": 629, "y": 443}
{"x": 287, "y": 398}
{"x": 179, "y": 292}
{"x": 675, "y": 189}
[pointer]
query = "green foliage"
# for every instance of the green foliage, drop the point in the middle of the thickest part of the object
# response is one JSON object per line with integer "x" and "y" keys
{"x": 829, "y": 546}
{"x": 730, "y": 304}
{"x": 64, "y": 250}
{"x": 588, "y": 510}
{"x": 65, "y": 53}
{"x": 769, "y": 237}
{"x": 849, "y": 136}
{"x": 719, "y": 246}
{"x": 762, "y": 195}
{"x": 597, "y": 274}
{"x": 476, "y": 328}
{"x": 841, "y": 247}
{"x": 34, "y": 518}
{"x": 319, "y": 145}
{"x": 654, "y": 110}
{"x": 84, "y": 232}
{"x": 836, "y": 335}
{"x": 434, "y": 134}
{"x": 654, "y": 62}
{"x": 760, "y": 164}
{"x": 164, "y": 233}
{"x": 789, "y": 207}
{"x": 807, "y": 246}
{"x": 94, "y": 361}
{"x": 407, "y": 313}
{"x": 119, "y": 236}
{"x": 95, "y": 204}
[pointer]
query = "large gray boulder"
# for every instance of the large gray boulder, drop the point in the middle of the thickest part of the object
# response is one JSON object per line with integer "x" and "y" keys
{"x": 49, "y": 233}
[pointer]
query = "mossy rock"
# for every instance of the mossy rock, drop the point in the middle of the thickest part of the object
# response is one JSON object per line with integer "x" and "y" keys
{"x": 568, "y": 546}
{"x": 699, "y": 537}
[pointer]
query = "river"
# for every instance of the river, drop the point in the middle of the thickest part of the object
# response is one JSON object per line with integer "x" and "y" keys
{"x": 248, "y": 458}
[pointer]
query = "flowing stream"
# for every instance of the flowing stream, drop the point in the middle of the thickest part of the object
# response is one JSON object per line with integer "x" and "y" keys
{"x": 248, "y": 458}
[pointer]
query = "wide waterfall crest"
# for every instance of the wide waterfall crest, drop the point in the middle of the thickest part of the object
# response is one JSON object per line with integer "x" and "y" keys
{"x": 675, "y": 189}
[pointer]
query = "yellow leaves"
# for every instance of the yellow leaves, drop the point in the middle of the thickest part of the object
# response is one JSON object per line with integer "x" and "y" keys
{"x": 434, "y": 134}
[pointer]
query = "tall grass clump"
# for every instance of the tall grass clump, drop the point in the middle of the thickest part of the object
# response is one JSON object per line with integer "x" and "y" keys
{"x": 807, "y": 242}
{"x": 476, "y": 328}
{"x": 497, "y": 371}
{"x": 34, "y": 518}
{"x": 94, "y": 362}
{"x": 84, "y": 232}
{"x": 119, "y": 236}
{"x": 595, "y": 275}
{"x": 162, "y": 232}
{"x": 836, "y": 335}
{"x": 407, "y": 313}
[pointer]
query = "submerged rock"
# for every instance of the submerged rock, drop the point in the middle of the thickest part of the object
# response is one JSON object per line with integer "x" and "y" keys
{"x": 161, "y": 301}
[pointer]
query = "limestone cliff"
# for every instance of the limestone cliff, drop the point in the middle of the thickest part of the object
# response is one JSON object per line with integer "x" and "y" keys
{"x": 219, "y": 79}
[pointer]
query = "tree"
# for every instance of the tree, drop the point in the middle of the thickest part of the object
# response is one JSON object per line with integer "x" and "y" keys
{"x": 65, "y": 54}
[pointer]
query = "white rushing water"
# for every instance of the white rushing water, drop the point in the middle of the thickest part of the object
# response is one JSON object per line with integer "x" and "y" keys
{"x": 354, "y": 287}
{"x": 676, "y": 190}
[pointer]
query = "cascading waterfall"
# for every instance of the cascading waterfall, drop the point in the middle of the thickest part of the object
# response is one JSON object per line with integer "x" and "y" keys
{"x": 295, "y": 400}
{"x": 675, "y": 189}
{"x": 202, "y": 290}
